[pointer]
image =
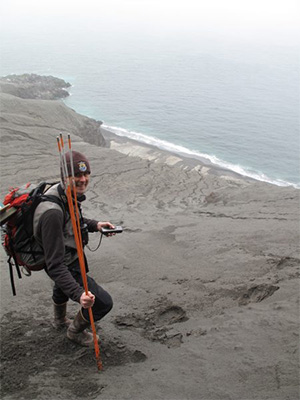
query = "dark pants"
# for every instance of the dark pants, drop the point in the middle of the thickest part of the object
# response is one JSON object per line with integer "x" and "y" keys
{"x": 103, "y": 301}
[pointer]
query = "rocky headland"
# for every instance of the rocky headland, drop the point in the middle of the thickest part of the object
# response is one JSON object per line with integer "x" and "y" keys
{"x": 19, "y": 97}
{"x": 32, "y": 86}
{"x": 205, "y": 276}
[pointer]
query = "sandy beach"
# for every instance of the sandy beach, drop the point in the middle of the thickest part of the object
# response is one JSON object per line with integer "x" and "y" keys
{"x": 204, "y": 278}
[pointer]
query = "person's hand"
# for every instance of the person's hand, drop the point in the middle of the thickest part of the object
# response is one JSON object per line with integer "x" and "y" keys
{"x": 101, "y": 225}
{"x": 87, "y": 300}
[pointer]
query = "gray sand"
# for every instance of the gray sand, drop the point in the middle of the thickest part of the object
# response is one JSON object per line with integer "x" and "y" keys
{"x": 205, "y": 276}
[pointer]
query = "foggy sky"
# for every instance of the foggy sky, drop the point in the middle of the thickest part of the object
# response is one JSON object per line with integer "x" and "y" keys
{"x": 275, "y": 19}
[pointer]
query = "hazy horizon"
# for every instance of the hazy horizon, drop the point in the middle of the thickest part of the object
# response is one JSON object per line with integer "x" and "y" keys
{"x": 255, "y": 21}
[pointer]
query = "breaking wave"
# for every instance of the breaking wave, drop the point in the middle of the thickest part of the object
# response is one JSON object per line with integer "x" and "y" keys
{"x": 205, "y": 158}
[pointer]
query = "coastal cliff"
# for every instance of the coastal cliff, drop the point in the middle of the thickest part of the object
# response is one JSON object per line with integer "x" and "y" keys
{"x": 204, "y": 278}
{"x": 29, "y": 104}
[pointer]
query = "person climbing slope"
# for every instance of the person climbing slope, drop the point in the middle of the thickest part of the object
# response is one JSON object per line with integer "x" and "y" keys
{"x": 53, "y": 231}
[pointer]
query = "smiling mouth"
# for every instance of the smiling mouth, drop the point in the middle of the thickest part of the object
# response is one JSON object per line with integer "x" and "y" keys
{"x": 81, "y": 187}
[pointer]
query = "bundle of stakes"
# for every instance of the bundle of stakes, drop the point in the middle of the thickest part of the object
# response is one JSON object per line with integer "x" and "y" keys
{"x": 70, "y": 190}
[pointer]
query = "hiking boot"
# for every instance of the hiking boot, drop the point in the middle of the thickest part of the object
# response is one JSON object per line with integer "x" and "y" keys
{"x": 77, "y": 333}
{"x": 60, "y": 320}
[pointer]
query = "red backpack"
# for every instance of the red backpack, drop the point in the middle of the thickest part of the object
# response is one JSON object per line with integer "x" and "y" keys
{"x": 17, "y": 228}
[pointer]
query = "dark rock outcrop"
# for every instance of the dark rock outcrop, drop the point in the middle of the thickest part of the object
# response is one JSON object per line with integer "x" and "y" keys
{"x": 32, "y": 86}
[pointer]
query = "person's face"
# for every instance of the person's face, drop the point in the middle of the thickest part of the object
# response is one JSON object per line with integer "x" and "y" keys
{"x": 81, "y": 182}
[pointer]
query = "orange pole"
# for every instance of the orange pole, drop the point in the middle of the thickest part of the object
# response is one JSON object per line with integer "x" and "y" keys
{"x": 83, "y": 271}
{"x": 74, "y": 214}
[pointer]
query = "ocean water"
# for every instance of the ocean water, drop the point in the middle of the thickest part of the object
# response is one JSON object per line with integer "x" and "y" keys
{"x": 236, "y": 105}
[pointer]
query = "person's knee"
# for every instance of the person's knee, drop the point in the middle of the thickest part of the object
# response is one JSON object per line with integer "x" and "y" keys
{"x": 108, "y": 303}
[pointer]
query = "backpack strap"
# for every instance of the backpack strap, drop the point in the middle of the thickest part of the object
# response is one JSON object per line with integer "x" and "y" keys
{"x": 57, "y": 200}
{"x": 52, "y": 198}
{"x": 11, "y": 272}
